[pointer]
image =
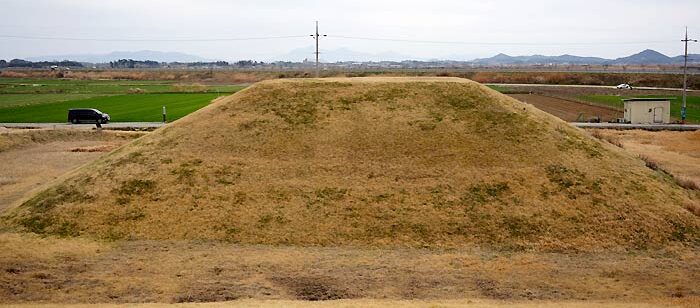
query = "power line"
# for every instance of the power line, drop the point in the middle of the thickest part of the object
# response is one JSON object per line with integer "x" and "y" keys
{"x": 685, "y": 75}
{"x": 316, "y": 36}
{"x": 57, "y": 38}
{"x": 400, "y": 40}
{"x": 385, "y": 39}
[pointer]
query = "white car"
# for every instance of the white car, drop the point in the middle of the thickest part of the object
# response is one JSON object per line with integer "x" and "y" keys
{"x": 624, "y": 86}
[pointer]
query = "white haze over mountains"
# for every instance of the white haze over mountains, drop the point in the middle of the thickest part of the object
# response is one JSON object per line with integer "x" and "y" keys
{"x": 549, "y": 27}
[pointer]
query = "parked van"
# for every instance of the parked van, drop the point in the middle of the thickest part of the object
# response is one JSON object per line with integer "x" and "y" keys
{"x": 77, "y": 116}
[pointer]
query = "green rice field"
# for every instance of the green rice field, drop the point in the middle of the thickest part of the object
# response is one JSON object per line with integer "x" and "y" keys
{"x": 48, "y": 100}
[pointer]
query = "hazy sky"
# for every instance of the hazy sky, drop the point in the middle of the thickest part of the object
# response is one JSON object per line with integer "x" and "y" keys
{"x": 521, "y": 27}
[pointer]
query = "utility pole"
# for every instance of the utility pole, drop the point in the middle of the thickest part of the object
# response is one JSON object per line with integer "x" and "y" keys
{"x": 317, "y": 36}
{"x": 685, "y": 76}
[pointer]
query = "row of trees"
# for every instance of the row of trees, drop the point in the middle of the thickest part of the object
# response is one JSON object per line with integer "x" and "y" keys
{"x": 129, "y": 63}
{"x": 41, "y": 64}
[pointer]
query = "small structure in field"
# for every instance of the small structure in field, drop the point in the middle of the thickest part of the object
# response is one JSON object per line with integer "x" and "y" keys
{"x": 648, "y": 110}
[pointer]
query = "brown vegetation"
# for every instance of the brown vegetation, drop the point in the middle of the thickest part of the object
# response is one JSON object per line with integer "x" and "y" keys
{"x": 249, "y": 76}
{"x": 17, "y": 138}
{"x": 36, "y": 269}
{"x": 676, "y": 154}
{"x": 32, "y": 158}
{"x": 610, "y": 138}
{"x": 390, "y": 162}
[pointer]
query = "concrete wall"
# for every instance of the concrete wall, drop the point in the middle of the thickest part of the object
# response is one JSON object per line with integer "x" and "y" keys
{"x": 648, "y": 112}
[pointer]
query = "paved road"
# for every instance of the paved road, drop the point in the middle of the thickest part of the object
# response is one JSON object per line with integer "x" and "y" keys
{"x": 154, "y": 125}
{"x": 581, "y": 86}
{"x": 115, "y": 125}
{"x": 680, "y": 127}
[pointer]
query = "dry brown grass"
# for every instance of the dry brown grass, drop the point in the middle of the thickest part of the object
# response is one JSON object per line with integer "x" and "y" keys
{"x": 93, "y": 149}
{"x": 59, "y": 271}
{"x": 687, "y": 183}
{"x": 694, "y": 208}
{"x": 612, "y": 139}
{"x": 17, "y": 138}
{"x": 379, "y": 162}
{"x": 33, "y": 158}
{"x": 674, "y": 153}
{"x": 472, "y": 303}
{"x": 246, "y": 76}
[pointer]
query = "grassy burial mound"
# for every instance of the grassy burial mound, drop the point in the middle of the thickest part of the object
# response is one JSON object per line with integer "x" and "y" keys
{"x": 393, "y": 162}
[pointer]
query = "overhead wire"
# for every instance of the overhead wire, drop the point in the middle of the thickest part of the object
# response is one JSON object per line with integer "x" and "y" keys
{"x": 59, "y": 38}
{"x": 384, "y": 39}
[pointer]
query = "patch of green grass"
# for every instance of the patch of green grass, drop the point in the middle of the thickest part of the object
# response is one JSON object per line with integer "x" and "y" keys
{"x": 693, "y": 111}
{"x": 571, "y": 182}
{"x": 15, "y": 100}
{"x": 63, "y": 86}
{"x": 121, "y": 108}
{"x": 484, "y": 193}
{"x": 498, "y": 88}
{"x": 136, "y": 187}
{"x": 48, "y": 199}
{"x": 52, "y": 81}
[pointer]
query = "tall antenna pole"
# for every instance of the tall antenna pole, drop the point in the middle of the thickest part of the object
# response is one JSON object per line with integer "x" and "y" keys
{"x": 316, "y": 37}
{"x": 685, "y": 76}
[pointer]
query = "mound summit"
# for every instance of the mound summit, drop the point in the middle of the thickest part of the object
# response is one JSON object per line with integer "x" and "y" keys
{"x": 382, "y": 162}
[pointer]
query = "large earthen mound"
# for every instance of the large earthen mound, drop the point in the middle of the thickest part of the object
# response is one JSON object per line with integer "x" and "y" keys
{"x": 389, "y": 162}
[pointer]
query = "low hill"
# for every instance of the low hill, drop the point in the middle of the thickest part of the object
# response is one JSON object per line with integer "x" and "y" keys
{"x": 382, "y": 162}
{"x": 647, "y": 56}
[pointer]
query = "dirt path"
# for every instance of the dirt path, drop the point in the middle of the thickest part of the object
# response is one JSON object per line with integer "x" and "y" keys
{"x": 567, "y": 110}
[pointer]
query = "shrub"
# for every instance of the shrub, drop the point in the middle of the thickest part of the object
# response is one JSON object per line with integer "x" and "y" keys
{"x": 195, "y": 87}
{"x": 611, "y": 139}
{"x": 687, "y": 183}
{"x": 136, "y": 91}
{"x": 693, "y": 208}
{"x": 650, "y": 163}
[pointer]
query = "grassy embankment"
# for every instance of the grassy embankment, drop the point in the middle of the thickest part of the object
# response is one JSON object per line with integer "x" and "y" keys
{"x": 378, "y": 162}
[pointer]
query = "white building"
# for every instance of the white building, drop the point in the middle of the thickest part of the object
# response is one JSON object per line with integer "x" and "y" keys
{"x": 648, "y": 110}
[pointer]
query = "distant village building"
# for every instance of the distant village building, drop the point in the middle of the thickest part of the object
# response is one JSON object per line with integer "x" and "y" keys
{"x": 648, "y": 110}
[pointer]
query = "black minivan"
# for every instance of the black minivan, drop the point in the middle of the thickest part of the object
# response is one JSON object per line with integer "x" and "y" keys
{"x": 76, "y": 116}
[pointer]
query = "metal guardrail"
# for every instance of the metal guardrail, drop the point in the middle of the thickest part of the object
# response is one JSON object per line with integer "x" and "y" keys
{"x": 653, "y": 127}
{"x": 110, "y": 126}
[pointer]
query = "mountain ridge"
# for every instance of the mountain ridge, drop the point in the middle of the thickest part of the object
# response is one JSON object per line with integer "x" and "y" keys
{"x": 140, "y": 55}
{"x": 645, "y": 57}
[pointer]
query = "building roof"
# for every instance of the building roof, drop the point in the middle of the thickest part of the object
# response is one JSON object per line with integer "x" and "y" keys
{"x": 647, "y": 99}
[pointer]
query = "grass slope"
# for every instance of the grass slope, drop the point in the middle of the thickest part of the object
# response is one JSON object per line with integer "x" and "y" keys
{"x": 693, "y": 111}
{"x": 122, "y": 108}
{"x": 393, "y": 162}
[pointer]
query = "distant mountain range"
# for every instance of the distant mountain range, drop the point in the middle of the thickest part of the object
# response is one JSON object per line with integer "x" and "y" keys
{"x": 340, "y": 55}
{"x": 647, "y": 57}
{"x": 142, "y": 55}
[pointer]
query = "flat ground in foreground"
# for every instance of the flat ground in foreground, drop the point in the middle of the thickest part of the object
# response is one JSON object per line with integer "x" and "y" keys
{"x": 53, "y": 270}
{"x": 68, "y": 271}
